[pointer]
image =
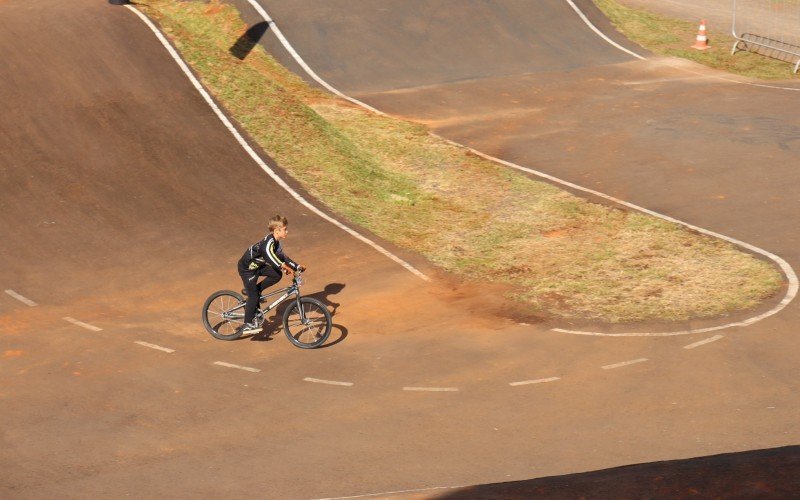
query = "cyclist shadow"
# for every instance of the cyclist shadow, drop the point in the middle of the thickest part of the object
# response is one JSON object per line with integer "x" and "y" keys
{"x": 274, "y": 323}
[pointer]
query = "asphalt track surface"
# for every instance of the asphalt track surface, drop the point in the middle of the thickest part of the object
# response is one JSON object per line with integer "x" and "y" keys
{"x": 126, "y": 202}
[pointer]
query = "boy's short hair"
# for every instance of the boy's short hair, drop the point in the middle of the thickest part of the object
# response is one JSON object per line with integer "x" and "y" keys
{"x": 277, "y": 221}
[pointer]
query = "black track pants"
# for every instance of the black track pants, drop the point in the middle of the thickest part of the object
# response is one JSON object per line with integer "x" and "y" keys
{"x": 249, "y": 279}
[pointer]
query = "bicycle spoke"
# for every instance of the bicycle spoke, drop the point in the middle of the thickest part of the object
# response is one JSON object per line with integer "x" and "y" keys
{"x": 307, "y": 323}
{"x": 220, "y": 319}
{"x": 311, "y": 328}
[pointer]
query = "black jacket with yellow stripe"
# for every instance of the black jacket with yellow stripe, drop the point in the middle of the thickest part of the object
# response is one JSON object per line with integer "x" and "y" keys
{"x": 267, "y": 252}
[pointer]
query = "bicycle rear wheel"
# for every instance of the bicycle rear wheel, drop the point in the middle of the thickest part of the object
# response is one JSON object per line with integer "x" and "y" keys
{"x": 223, "y": 315}
{"x": 311, "y": 332}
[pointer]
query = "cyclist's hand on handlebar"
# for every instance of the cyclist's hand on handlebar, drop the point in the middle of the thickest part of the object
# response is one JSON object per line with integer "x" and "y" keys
{"x": 287, "y": 270}
{"x": 301, "y": 269}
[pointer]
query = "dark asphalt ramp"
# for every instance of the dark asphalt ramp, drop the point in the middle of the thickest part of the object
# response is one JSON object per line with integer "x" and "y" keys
{"x": 368, "y": 46}
{"x": 773, "y": 473}
{"x": 118, "y": 180}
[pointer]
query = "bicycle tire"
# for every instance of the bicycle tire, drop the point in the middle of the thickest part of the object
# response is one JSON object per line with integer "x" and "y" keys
{"x": 213, "y": 320}
{"x": 316, "y": 331}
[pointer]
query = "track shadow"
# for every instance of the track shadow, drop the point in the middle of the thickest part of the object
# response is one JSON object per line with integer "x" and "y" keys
{"x": 342, "y": 335}
{"x": 244, "y": 45}
{"x": 273, "y": 324}
{"x": 324, "y": 296}
{"x": 771, "y": 473}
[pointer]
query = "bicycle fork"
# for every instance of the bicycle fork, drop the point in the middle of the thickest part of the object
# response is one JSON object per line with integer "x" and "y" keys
{"x": 302, "y": 311}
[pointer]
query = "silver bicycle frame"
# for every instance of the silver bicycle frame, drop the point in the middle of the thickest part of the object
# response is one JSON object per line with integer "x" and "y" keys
{"x": 294, "y": 288}
{"x": 278, "y": 301}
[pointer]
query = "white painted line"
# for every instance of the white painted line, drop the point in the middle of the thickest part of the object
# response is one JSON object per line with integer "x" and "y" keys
{"x": 275, "y": 177}
{"x": 329, "y": 382}
{"x": 669, "y": 80}
{"x": 82, "y": 324}
{"x": 153, "y": 346}
{"x": 230, "y": 365}
{"x": 791, "y": 277}
{"x": 24, "y": 300}
{"x": 703, "y": 342}
{"x": 624, "y": 363}
{"x": 655, "y": 334}
{"x": 431, "y": 389}
{"x": 274, "y": 28}
{"x": 538, "y": 381}
{"x": 682, "y": 67}
{"x": 600, "y": 33}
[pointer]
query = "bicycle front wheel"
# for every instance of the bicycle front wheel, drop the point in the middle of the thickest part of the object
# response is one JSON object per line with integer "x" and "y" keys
{"x": 223, "y": 315}
{"x": 309, "y": 329}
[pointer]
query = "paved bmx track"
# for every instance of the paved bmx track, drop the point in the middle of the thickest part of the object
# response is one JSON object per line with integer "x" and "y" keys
{"x": 126, "y": 201}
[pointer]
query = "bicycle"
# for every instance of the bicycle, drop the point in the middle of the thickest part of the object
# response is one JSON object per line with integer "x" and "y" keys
{"x": 306, "y": 322}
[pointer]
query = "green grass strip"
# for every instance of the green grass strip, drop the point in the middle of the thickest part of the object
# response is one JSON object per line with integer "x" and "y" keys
{"x": 559, "y": 254}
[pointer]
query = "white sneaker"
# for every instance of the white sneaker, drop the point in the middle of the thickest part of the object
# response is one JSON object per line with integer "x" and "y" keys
{"x": 253, "y": 327}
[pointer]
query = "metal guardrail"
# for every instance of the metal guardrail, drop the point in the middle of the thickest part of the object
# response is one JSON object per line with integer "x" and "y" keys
{"x": 764, "y": 45}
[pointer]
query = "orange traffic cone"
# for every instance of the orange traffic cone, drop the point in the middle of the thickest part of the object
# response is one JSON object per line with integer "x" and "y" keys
{"x": 701, "y": 43}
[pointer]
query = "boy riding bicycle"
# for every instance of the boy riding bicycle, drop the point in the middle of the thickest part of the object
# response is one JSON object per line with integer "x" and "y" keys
{"x": 264, "y": 258}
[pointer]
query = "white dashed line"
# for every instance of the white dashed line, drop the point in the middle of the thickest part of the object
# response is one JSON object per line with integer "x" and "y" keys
{"x": 238, "y": 367}
{"x": 329, "y": 382}
{"x": 24, "y": 300}
{"x": 624, "y": 363}
{"x": 431, "y": 389}
{"x": 82, "y": 324}
{"x": 537, "y": 381}
{"x": 703, "y": 342}
{"x": 153, "y": 346}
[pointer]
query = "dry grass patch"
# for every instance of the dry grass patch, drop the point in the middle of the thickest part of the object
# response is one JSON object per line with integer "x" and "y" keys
{"x": 564, "y": 256}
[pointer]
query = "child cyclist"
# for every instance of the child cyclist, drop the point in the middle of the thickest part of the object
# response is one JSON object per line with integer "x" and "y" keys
{"x": 264, "y": 258}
